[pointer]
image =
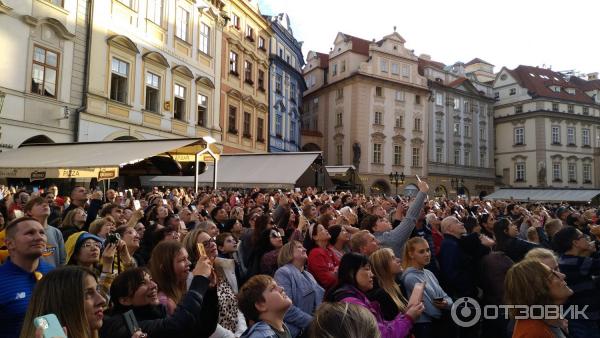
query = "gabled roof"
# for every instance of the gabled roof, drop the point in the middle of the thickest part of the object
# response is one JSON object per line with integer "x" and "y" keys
{"x": 477, "y": 60}
{"x": 323, "y": 60}
{"x": 360, "y": 46}
{"x": 538, "y": 81}
{"x": 429, "y": 63}
{"x": 584, "y": 84}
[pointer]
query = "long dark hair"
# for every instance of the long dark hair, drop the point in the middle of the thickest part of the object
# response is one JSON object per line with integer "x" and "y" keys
{"x": 349, "y": 266}
{"x": 500, "y": 233}
{"x": 125, "y": 285}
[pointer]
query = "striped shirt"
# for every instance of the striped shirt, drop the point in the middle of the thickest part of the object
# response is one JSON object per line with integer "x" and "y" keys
{"x": 16, "y": 287}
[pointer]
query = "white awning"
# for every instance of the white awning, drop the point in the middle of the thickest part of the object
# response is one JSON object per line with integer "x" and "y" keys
{"x": 266, "y": 171}
{"x": 88, "y": 159}
{"x": 339, "y": 169}
{"x": 544, "y": 195}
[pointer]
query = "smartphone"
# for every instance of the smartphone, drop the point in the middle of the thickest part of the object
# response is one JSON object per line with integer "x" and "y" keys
{"x": 193, "y": 207}
{"x": 131, "y": 322}
{"x": 201, "y": 250}
{"x": 50, "y": 326}
{"x": 136, "y": 204}
{"x": 418, "y": 178}
{"x": 297, "y": 189}
{"x": 164, "y": 201}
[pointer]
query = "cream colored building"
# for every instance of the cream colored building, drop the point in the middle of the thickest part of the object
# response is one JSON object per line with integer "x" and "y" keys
{"x": 154, "y": 70}
{"x": 40, "y": 73}
{"x": 370, "y": 105}
{"x": 245, "y": 78}
{"x": 547, "y": 129}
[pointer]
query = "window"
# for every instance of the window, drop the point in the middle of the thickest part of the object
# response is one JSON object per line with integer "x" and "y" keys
{"x": 439, "y": 99}
{"x": 293, "y": 132}
{"x": 261, "y": 80}
{"x": 378, "y": 118}
{"x": 556, "y": 171}
{"x": 235, "y": 21}
{"x": 278, "y": 83}
{"x": 399, "y": 122}
{"x": 439, "y": 154}
{"x": 179, "y": 102}
{"x": 339, "y": 93}
{"x": 520, "y": 172}
{"x": 496, "y": 95}
{"x": 154, "y": 11}
{"x": 438, "y": 125}
{"x": 587, "y": 172}
{"x": 571, "y": 136}
{"x": 571, "y": 108}
{"x": 233, "y": 63}
{"x": 572, "y": 172}
{"x": 152, "y": 92}
{"x": 466, "y": 104}
{"x": 205, "y": 38}
{"x": 456, "y": 103}
{"x": 248, "y": 72}
{"x": 467, "y": 130}
{"x": 181, "y": 23}
{"x": 246, "y": 130}
{"x": 232, "y": 120}
{"x": 467, "y": 157}
{"x": 395, "y": 69}
{"x": 519, "y": 134}
{"x": 202, "y": 110}
{"x": 456, "y": 129}
{"x": 417, "y": 99}
{"x": 456, "y": 156}
{"x": 339, "y": 154}
{"x": 513, "y": 91}
{"x": 416, "y": 157}
{"x": 119, "y": 80}
{"x": 586, "y": 110}
{"x": 249, "y": 33}
{"x": 397, "y": 154}
{"x": 278, "y": 125}
{"x": 44, "y": 72}
{"x": 383, "y": 65}
{"x": 519, "y": 108}
{"x": 261, "y": 43}
{"x": 293, "y": 92}
{"x": 554, "y": 106}
{"x": 405, "y": 70}
{"x": 339, "y": 116}
{"x": 417, "y": 124}
{"x": 555, "y": 135}
{"x": 343, "y": 66}
{"x": 482, "y": 133}
{"x": 399, "y": 95}
{"x": 377, "y": 153}
{"x": 378, "y": 91}
{"x": 482, "y": 159}
{"x": 585, "y": 137}
{"x": 260, "y": 127}
{"x": 334, "y": 69}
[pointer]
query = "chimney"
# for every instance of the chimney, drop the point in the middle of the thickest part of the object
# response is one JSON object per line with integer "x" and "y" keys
{"x": 592, "y": 76}
{"x": 425, "y": 57}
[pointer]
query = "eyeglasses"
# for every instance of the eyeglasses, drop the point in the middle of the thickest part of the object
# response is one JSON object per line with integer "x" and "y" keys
{"x": 91, "y": 245}
{"x": 275, "y": 234}
{"x": 208, "y": 241}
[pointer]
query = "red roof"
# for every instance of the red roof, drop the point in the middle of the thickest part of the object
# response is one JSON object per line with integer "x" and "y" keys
{"x": 538, "y": 81}
{"x": 360, "y": 46}
{"x": 477, "y": 60}
{"x": 457, "y": 82}
{"x": 584, "y": 84}
{"x": 429, "y": 63}
{"x": 323, "y": 60}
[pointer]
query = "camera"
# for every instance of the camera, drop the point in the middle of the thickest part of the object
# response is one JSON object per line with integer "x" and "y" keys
{"x": 112, "y": 238}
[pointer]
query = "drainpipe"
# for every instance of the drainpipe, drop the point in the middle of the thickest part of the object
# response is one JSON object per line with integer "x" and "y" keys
{"x": 88, "y": 43}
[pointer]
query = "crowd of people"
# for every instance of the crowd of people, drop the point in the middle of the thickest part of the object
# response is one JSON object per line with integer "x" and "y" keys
{"x": 300, "y": 263}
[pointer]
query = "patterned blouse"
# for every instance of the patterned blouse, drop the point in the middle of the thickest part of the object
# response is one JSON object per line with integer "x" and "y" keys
{"x": 228, "y": 306}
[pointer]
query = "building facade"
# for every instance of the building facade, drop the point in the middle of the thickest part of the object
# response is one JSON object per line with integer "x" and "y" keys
{"x": 461, "y": 137}
{"x": 547, "y": 129}
{"x": 154, "y": 70}
{"x": 42, "y": 74}
{"x": 286, "y": 85}
{"x": 244, "y": 107}
{"x": 371, "y": 108}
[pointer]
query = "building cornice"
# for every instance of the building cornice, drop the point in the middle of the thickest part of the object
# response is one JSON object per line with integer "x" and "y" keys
{"x": 436, "y": 85}
{"x": 547, "y": 114}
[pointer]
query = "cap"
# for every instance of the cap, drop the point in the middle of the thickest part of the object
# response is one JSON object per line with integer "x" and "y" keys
{"x": 74, "y": 242}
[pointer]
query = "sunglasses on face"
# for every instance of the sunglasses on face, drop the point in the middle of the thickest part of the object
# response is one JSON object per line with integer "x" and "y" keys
{"x": 275, "y": 234}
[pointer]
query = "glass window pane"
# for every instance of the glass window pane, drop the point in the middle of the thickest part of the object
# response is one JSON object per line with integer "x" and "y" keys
{"x": 39, "y": 55}
{"x": 51, "y": 58}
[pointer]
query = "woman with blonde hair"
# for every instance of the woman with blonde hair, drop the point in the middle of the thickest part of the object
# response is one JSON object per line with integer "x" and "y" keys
{"x": 343, "y": 320}
{"x": 543, "y": 255}
{"x": 386, "y": 290}
{"x": 415, "y": 257}
{"x": 73, "y": 222}
{"x": 71, "y": 294}
{"x": 103, "y": 226}
{"x": 550, "y": 289}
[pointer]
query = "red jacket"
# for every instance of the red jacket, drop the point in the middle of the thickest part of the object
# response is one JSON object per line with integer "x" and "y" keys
{"x": 323, "y": 264}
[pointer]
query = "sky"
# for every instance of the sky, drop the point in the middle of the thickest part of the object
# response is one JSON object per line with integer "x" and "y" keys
{"x": 557, "y": 33}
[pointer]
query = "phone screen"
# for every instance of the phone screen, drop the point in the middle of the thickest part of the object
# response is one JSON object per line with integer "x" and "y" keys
{"x": 201, "y": 250}
{"x": 136, "y": 204}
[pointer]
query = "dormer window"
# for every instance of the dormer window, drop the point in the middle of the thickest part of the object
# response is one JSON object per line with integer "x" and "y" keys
{"x": 555, "y": 89}
{"x": 571, "y": 91}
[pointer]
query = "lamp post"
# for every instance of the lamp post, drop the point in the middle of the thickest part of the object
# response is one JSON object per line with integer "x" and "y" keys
{"x": 397, "y": 179}
{"x": 209, "y": 140}
{"x": 457, "y": 183}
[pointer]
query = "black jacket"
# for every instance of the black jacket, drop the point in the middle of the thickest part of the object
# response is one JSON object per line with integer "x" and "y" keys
{"x": 192, "y": 317}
